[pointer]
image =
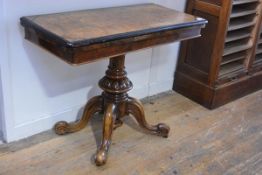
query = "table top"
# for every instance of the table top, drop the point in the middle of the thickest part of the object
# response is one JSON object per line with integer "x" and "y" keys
{"x": 98, "y": 26}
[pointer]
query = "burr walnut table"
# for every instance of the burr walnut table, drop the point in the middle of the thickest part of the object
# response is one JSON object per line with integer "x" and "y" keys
{"x": 81, "y": 37}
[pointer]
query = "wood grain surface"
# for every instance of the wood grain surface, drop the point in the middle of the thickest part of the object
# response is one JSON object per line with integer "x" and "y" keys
{"x": 85, "y": 36}
{"x": 224, "y": 141}
{"x": 88, "y": 25}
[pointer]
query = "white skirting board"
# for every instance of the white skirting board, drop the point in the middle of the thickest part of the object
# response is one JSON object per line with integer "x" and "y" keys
{"x": 46, "y": 121}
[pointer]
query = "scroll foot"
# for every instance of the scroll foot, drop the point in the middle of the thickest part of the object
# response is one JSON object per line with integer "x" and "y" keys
{"x": 94, "y": 105}
{"x": 118, "y": 123}
{"x": 61, "y": 128}
{"x": 163, "y": 130}
{"x": 135, "y": 108}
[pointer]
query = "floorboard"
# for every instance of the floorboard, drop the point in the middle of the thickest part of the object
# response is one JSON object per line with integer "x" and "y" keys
{"x": 227, "y": 140}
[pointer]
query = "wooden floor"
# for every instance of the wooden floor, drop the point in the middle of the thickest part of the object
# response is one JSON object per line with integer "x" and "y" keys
{"x": 227, "y": 140}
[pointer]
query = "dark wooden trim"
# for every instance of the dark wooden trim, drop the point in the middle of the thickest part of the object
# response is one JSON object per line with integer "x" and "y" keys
{"x": 90, "y": 53}
{"x": 220, "y": 40}
{"x": 193, "y": 89}
{"x": 59, "y": 50}
{"x": 126, "y": 45}
{"x": 51, "y": 36}
{"x": 237, "y": 89}
{"x": 214, "y": 97}
{"x": 251, "y": 65}
{"x": 47, "y": 35}
{"x": 193, "y": 72}
{"x": 207, "y": 8}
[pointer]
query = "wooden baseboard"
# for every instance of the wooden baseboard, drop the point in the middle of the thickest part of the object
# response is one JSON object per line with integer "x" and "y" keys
{"x": 193, "y": 89}
{"x": 214, "y": 97}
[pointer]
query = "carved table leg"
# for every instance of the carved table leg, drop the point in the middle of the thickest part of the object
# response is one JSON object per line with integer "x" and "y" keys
{"x": 121, "y": 112}
{"x": 117, "y": 123}
{"x": 94, "y": 105}
{"x": 115, "y": 104}
{"x": 109, "y": 118}
{"x": 135, "y": 108}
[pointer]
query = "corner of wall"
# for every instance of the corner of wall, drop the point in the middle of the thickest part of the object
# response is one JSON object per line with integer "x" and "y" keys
{"x": 5, "y": 88}
{"x": 1, "y": 109}
{"x": 1, "y": 94}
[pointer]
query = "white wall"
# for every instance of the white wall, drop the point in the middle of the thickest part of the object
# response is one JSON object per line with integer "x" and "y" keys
{"x": 1, "y": 109}
{"x": 39, "y": 89}
{"x": 1, "y": 91}
{"x": 3, "y": 65}
{"x": 164, "y": 58}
